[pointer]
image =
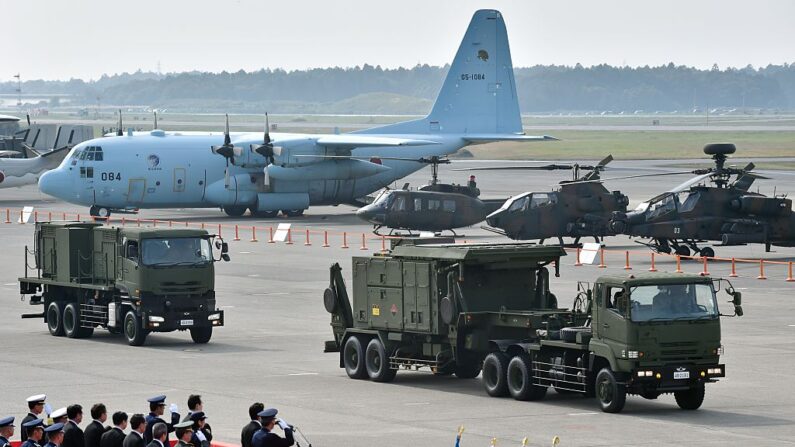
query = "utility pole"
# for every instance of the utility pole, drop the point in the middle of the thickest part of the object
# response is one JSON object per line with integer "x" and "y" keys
{"x": 19, "y": 90}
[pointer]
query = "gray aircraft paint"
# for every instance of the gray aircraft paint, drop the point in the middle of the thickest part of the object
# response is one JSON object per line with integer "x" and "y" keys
{"x": 477, "y": 103}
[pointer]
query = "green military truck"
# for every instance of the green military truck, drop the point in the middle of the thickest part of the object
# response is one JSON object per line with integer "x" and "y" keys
{"x": 462, "y": 308}
{"x": 132, "y": 280}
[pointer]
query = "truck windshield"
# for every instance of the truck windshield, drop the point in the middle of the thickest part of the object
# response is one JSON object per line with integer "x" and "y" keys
{"x": 673, "y": 302}
{"x": 175, "y": 251}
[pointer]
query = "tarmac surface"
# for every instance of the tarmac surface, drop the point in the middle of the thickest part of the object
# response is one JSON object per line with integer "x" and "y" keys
{"x": 271, "y": 347}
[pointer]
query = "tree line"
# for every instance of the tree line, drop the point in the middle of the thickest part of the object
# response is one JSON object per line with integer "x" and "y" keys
{"x": 541, "y": 88}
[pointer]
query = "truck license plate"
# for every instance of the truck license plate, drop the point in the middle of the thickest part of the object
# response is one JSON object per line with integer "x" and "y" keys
{"x": 681, "y": 375}
{"x": 186, "y": 322}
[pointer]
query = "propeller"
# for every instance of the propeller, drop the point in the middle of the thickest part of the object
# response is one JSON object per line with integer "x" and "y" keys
{"x": 119, "y": 131}
{"x": 266, "y": 148}
{"x": 226, "y": 150}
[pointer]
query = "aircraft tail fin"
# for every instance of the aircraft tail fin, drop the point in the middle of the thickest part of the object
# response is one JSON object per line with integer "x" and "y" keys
{"x": 478, "y": 96}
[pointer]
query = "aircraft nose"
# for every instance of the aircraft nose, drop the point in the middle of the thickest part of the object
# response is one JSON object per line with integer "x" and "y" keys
{"x": 52, "y": 183}
{"x": 369, "y": 214}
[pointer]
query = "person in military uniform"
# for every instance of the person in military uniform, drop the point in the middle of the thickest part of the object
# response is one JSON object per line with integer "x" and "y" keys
{"x": 184, "y": 432}
{"x": 59, "y": 415}
{"x": 95, "y": 430}
{"x": 36, "y": 407}
{"x": 6, "y": 431}
{"x": 265, "y": 436}
{"x": 159, "y": 432}
{"x": 157, "y": 406}
{"x": 136, "y": 436}
{"x": 35, "y": 431}
{"x": 72, "y": 433}
{"x": 115, "y": 436}
{"x": 253, "y": 426}
{"x": 54, "y": 434}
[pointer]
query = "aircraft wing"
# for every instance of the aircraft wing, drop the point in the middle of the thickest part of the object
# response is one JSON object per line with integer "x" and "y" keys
{"x": 486, "y": 137}
{"x": 350, "y": 141}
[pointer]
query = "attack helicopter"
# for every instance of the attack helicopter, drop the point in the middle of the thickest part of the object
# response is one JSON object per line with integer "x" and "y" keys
{"x": 581, "y": 207}
{"x": 695, "y": 212}
{"x": 435, "y": 207}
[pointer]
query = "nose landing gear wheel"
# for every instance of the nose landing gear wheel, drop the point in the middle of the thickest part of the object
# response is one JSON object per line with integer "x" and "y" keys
{"x": 99, "y": 211}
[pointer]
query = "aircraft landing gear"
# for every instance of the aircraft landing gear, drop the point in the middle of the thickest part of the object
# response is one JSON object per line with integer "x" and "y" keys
{"x": 707, "y": 252}
{"x": 234, "y": 211}
{"x": 99, "y": 211}
{"x": 293, "y": 213}
{"x": 264, "y": 214}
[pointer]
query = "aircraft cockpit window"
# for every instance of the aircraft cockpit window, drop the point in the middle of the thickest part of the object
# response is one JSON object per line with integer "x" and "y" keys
{"x": 86, "y": 172}
{"x": 83, "y": 154}
{"x": 542, "y": 199}
{"x": 688, "y": 200}
{"x": 90, "y": 153}
{"x": 663, "y": 206}
{"x": 399, "y": 204}
{"x": 98, "y": 154}
{"x": 519, "y": 204}
{"x": 417, "y": 204}
{"x": 448, "y": 206}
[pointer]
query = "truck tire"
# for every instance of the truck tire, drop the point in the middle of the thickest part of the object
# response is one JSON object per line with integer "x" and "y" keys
{"x": 353, "y": 358}
{"x": 201, "y": 335}
{"x": 520, "y": 379}
{"x": 690, "y": 399}
{"x": 612, "y": 395}
{"x": 55, "y": 318}
{"x": 467, "y": 370}
{"x": 377, "y": 362}
{"x": 71, "y": 323}
{"x": 133, "y": 329}
{"x": 495, "y": 374}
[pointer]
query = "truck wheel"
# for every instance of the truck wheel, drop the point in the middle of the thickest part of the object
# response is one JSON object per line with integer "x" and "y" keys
{"x": 55, "y": 318}
{"x": 71, "y": 323}
{"x": 353, "y": 358}
{"x": 467, "y": 370}
{"x": 612, "y": 395}
{"x": 690, "y": 399}
{"x": 377, "y": 362}
{"x": 495, "y": 377}
{"x": 520, "y": 379}
{"x": 201, "y": 335}
{"x": 133, "y": 330}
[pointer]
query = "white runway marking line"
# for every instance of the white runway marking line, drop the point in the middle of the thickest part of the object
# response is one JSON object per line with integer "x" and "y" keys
{"x": 245, "y": 252}
{"x": 791, "y": 325}
{"x": 10, "y": 284}
{"x": 589, "y": 413}
{"x": 303, "y": 374}
{"x": 414, "y": 404}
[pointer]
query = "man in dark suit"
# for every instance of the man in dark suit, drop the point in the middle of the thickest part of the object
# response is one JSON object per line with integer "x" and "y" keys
{"x": 115, "y": 436}
{"x": 35, "y": 407}
{"x": 253, "y": 426}
{"x": 72, "y": 434}
{"x": 195, "y": 405}
{"x": 95, "y": 430}
{"x": 136, "y": 436}
{"x": 157, "y": 406}
{"x": 265, "y": 436}
{"x": 159, "y": 433}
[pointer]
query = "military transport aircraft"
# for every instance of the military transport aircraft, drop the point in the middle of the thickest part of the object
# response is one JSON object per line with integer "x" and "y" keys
{"x": 266, "y": 173}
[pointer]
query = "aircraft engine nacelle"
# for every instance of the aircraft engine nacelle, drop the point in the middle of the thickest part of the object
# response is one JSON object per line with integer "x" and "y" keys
{"x": 763, "y": 206}
{"x": 345, "y": 169}
{"x": 237, "y": 190}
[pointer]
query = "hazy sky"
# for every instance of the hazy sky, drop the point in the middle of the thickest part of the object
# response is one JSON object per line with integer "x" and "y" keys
{"x": 60, "y": 39}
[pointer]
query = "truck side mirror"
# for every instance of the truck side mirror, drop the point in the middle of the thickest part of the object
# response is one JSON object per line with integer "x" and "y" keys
{"x": 737, "y": 301}
{"x": 224, "y": 248}
{"x": 225, "y": 257}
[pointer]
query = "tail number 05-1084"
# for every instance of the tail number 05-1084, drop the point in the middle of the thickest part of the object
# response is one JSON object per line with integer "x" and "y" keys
{"x": 110, "y": 176}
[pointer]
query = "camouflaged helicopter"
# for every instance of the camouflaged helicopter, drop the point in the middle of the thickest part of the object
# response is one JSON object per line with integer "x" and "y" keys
{"x": 435, "y": 207}
{"x": 726, "y": 211}
{"x": 581, "y": 207}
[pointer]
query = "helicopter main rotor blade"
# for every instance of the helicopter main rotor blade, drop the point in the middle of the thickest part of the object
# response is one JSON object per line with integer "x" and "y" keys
{"x": 635, "y": 176}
